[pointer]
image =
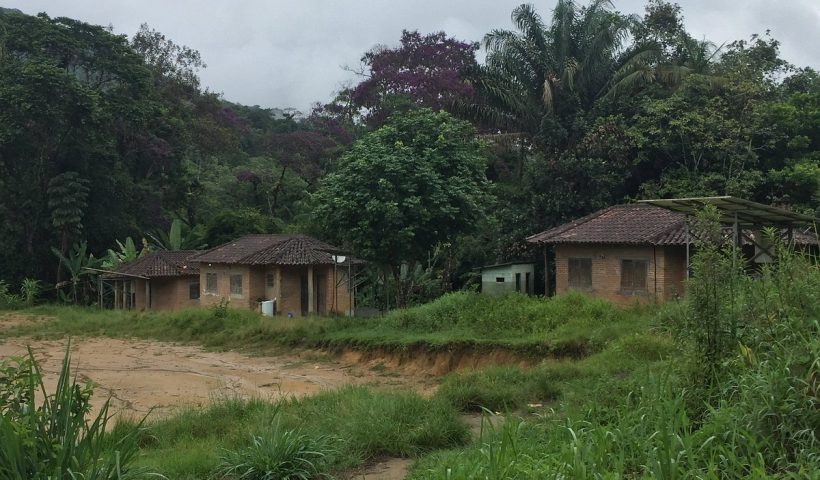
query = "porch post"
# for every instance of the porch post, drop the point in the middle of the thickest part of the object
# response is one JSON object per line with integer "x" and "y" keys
{"x": 147, "y": 295}
{"x": 311, "y": 294}
{"x": 116, "y": 284}
{"x": 278, "y": 289}
{"x": 546, "y": 273}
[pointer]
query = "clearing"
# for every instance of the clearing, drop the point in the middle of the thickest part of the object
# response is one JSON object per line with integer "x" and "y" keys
{"x": 143, "y": 376}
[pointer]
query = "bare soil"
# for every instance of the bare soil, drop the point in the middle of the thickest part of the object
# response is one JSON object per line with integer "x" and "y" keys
{"x": 143, "y": 376}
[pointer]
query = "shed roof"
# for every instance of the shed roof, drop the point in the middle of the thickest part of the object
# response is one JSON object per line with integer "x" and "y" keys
{"x": 746, "y": 212}
{"x": 273, "y": 249}
{"x": 159, "y": 263}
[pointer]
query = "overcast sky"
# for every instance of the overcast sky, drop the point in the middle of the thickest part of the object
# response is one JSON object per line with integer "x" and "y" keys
{"x": 292, "y": 53}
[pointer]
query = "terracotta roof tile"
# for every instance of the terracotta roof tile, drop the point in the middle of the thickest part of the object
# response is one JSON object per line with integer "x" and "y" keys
{"x": 272, "y": 249}
{"x": 636, "y": 224}
{"x": 160, "y": 264}
{"x": 623, "y": 224}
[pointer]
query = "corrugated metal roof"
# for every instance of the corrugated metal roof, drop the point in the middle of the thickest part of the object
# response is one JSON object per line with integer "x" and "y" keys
{"x": 746, "y": 212}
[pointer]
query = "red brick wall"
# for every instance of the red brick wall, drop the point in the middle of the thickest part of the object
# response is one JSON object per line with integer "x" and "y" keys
{"x": 223, "y": 282}
{"x": 172, "y": 293}
{"x": 662, "y": 274}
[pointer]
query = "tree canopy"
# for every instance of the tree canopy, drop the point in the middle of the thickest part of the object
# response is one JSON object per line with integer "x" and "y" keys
{"x": 436, "y": 158}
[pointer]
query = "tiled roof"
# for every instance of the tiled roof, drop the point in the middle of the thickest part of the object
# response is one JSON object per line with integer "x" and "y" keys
{"x": 271, "y": 249}
{"x": 635, "y": 224}
{"x": 160, "y": 264}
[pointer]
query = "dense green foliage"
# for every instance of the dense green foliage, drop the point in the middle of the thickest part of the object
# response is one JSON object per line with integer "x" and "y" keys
{"x": 103, "y": 137}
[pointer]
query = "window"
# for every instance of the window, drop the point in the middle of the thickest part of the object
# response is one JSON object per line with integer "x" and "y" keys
{"x": 633, "y": 275}
{"x": 193, "y": 290}
{"x": 580, "y": 272}
{"x": 269, "y": 280}
{"x": 236, "y": 284}
{"x": 499, "y": 279}
{"x": 210, "y": 283}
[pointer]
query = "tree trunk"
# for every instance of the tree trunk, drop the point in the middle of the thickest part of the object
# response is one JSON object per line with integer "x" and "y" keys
{"x": 275, "y": 192}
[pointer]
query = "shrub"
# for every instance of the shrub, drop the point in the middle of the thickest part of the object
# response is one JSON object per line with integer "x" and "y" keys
{"x": 280, "y": 454}
{"x": 8, "y": 300}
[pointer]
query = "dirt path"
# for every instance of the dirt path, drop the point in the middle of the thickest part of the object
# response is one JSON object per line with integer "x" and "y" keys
{"x": 142, "y": 375}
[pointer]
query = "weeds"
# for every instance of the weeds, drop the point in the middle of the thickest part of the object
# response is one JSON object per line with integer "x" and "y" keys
{"x": 280, "y": 454}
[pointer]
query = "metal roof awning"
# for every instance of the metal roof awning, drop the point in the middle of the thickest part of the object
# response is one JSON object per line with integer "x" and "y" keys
{"x": 738, "y": 211}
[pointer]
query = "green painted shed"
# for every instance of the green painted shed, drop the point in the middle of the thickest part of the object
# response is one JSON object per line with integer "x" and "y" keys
{"x": 509, "y": 277}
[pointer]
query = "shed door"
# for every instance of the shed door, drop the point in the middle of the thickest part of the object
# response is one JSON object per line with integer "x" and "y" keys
{"x": 303, "y": 293}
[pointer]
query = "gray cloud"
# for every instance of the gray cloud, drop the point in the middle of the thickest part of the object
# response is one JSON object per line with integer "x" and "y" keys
{"x": 290, "y": 54}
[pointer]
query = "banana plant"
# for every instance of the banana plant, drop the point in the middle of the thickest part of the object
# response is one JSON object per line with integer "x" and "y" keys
{"x": 179, "y": 237}
{"x": 127, "y": 253}
{"x": 78, "y": 263}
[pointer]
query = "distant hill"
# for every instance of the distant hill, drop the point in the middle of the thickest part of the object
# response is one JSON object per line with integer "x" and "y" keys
{"x": 4, "y": 10}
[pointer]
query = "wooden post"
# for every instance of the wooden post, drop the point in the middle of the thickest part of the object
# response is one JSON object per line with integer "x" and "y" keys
{"x": 311, "y": 294}
{"x": 115, "y": 284}
{"x": 147, "y": 295}
{"x": 546, "y": 273}
{"x": 277, "y": 289}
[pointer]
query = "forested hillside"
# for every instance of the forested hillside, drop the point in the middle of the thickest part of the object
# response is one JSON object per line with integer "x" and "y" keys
{"x": 443, "y": 157}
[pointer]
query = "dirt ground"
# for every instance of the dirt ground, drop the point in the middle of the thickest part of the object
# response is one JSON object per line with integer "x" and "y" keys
{"x": 144, "y": 376}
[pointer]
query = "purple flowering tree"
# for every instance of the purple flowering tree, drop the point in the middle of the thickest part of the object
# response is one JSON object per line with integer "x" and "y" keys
{"x": 424, "y": 71}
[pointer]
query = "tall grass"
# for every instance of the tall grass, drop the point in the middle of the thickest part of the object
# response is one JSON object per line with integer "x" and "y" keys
{"x": 280, "y": 454}
{"x": 572, "y": 325}
{"x": 349, "y": 427}
{"x": 56, "y": 440}
{"x": 740, "y": 399}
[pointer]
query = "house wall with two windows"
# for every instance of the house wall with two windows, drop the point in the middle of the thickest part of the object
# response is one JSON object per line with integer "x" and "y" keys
{"x": 245, "y": 286}
{"x": 621, "y": 274}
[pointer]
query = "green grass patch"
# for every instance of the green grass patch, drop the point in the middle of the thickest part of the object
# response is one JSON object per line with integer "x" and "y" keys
{"x": 506, "y": 388}
{"x": 365, "y": 424}
{"x": 566, "y": 326}
{"x": 497, "y": 388}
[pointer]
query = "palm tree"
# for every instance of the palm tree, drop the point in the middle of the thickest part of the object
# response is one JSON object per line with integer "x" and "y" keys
{"x": 539, "y": 78}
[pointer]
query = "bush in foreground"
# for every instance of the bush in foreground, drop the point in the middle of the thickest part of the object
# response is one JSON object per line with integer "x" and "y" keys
{"x": 281, "y": 454}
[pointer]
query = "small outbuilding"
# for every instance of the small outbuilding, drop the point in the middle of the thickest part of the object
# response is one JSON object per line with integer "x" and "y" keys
{"x": 640, "y": 252}
{"x": 506, "y": 278}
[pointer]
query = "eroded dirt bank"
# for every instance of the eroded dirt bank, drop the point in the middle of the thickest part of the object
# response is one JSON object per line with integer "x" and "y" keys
{"x": 142, "y": 375}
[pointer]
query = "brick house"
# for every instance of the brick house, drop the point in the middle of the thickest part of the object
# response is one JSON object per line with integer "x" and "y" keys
{"x": 624, "y": 253}
{"x": 638, "y": 252}
{"x": 160, "y": 280}
{"x": 297, "y": 271}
